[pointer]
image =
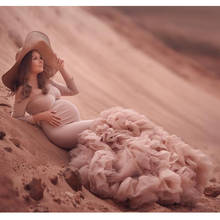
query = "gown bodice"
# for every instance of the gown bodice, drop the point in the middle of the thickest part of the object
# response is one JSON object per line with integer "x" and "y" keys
{"x": 52, "y": 101}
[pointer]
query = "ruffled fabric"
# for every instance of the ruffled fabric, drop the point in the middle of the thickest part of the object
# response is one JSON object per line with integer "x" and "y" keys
{"x": 126, "y": 157}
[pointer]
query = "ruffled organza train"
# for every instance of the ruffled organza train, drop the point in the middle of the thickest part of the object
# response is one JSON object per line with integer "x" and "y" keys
{"x": 126, "y": 157}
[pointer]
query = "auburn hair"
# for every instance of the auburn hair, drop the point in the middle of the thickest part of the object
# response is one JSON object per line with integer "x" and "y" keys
{"x": 23, "y": 77}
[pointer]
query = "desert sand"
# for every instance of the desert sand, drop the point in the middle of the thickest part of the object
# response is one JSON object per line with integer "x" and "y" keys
{"x": 110, "y": 70}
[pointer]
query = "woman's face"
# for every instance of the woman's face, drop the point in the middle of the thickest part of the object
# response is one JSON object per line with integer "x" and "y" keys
{"x": 37, "y": 64}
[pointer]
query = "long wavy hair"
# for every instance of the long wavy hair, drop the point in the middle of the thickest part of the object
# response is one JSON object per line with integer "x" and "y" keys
{"x": 23, "y": 77}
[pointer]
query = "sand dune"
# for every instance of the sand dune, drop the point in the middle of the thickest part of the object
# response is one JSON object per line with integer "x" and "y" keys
{"x": 109, "y": 71}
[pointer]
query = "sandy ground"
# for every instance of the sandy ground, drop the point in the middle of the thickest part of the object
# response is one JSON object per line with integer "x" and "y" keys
{"x": 109, "y": 71}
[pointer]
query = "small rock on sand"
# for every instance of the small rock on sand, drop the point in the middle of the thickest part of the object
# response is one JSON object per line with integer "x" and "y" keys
{"x": 72, "y": 177}
{"x": 54, "y": 180}
{"x": 57, "y": 200}
{"x": 36, "y": 189}
{"x": 212, "y": 190}
{"x": 39, "y": 208}
{"x": 15, "y": 141}
{"x": 2, "y": 135}
{"x": 8, "y": 149}
{"x": 69, "y": 194}
{"x": 213, "y": 180}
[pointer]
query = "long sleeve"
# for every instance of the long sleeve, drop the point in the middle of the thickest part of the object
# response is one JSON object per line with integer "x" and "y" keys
{"x": 69, "y": 89}
{"x": 18, "y": 111}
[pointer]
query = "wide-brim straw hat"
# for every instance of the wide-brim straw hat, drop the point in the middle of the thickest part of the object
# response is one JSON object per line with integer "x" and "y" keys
{"x": 34, "y": 40}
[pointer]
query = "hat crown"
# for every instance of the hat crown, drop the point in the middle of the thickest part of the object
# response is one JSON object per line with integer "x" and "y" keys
{"x": 33, "y": 38}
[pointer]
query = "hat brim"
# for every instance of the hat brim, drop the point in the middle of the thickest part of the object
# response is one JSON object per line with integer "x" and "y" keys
{"x": 49, "y": 57}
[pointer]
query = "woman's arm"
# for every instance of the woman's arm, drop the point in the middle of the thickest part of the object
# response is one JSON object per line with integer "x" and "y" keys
{"x": 25, "y": 117}
{"x": 70, "y": 88}
{"x": 18, "y": 109}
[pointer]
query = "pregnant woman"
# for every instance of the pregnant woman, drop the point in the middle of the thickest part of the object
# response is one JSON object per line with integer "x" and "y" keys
{"x": 38, "y": 97}
{"x": 121, "y": 154}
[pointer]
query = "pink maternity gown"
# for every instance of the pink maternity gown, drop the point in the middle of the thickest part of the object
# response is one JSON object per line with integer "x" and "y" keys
{"x": 122, "y": 154}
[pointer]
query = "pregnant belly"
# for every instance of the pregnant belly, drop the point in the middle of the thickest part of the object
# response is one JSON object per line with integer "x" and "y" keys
{"x": 66, "y": 110}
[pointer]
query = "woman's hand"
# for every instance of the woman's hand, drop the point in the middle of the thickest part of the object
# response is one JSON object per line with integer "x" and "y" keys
{"x": 60, "y": 64}
{"x": 48, "y": 116}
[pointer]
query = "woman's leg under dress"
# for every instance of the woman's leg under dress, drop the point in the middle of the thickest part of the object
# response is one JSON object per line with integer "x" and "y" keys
{"x": 66, "y": 136}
